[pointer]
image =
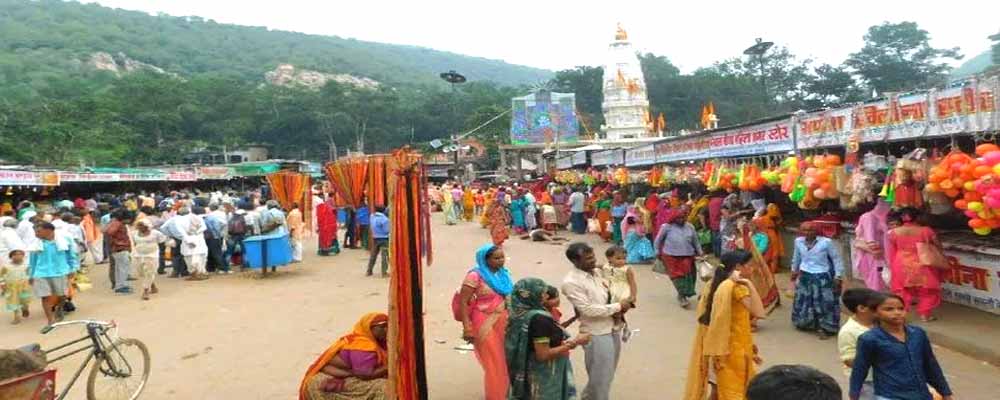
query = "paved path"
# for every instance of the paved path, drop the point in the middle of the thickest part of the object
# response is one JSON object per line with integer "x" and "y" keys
{"x": 238, "y": 337}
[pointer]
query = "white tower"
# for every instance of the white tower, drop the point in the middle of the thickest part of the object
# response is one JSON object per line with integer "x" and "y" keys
{"x": 626, "y": 108}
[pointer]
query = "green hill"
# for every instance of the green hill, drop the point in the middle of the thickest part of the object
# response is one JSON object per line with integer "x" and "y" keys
{"x": 974, "y": 65}
{"x": 48, "y": 38}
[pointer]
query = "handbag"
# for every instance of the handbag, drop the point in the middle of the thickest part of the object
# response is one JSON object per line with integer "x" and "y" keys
{"x": 930, "y": 254}
{"x": 706, "y": 270}
{"x": 658, "y": 266}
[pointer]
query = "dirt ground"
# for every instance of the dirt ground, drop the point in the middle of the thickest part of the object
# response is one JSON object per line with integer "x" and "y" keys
{"x": 237, "y": 337}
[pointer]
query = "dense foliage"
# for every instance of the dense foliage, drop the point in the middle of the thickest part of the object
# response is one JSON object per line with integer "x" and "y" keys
{"x": 49, "y": 37}
{"x": 57, "y": 110}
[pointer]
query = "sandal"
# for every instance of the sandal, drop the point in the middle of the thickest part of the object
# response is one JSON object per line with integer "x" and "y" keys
{"x": 928, "y": 319}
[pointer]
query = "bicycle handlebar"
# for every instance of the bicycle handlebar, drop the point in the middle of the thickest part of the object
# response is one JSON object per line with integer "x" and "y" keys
{"x": 50, "y": 328}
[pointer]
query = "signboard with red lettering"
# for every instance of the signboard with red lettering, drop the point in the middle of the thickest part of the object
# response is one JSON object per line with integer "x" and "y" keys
{"x": 965, "y": 109}
{"x": 825, "y": 128}
{"x": 772, "y": 137}
{"x": 686, "y": 148}
{"x": 216, "y": 173}
{"x": 973, "y": 280}
{"x": 28, "y": 178}
{"x": 111, "y": 177}
{"x": 181, "y": 176}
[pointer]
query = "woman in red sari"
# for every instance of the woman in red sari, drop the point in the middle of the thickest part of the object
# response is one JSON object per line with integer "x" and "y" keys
{"x": 326, "y": 228}
{"x": 911, "y": 279}
{"x": 499, "y": 220}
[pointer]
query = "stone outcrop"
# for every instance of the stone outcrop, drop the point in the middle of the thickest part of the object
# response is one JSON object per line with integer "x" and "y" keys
{"x": 120, "y": 64}
{"x": 288, "y": 75}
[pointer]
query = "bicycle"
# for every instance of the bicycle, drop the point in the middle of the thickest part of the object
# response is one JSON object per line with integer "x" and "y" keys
{"x": 114, "y": 375}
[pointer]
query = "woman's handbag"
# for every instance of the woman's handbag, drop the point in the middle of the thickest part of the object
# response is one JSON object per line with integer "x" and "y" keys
{"x": 706, "y": 270}
{"x": 658, "y": 266}
{"x": 930, "y": 254}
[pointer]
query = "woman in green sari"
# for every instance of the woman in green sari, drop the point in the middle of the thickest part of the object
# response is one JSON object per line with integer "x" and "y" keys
{"x": 537, "y": 347}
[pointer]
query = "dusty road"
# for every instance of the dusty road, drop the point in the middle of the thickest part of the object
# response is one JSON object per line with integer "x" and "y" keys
{"x": 234, "y": 337}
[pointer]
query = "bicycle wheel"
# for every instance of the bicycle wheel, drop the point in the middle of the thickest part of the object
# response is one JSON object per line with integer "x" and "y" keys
{"x": 122, "y": 375}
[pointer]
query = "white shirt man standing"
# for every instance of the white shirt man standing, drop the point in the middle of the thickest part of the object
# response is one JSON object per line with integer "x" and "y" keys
{"x": 590, "y": 296}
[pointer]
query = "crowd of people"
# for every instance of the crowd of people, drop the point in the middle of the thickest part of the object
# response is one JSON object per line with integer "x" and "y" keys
{"x": 49, "y": 250}
{"x": 520, "y": 338}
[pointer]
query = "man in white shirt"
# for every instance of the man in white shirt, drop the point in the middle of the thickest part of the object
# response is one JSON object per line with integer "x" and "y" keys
{"x": 576, "y": 204}
{"x": 590, "y": 296}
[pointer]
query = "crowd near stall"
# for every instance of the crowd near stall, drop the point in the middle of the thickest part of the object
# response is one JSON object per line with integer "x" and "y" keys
{"x": 876, "y": 210}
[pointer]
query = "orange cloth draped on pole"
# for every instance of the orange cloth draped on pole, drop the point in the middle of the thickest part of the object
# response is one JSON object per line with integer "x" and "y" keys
{"x": 399, "y": 181}
{"x": 348, "y": 177}
{"x": 292, "y": 187}
{"x": 376, "y": 182}
{"x": 409, "y": 243}
{"x": 360, "y": 338}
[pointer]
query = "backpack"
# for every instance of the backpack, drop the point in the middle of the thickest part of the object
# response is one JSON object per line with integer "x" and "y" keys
{"x": 237, "y": 225}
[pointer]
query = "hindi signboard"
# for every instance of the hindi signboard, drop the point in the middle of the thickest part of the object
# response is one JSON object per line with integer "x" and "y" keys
{"x": 771, "y": 137}
{"x": 973, "y": 280}
{"x": 639, "y": 156}
{"x": 607, "y": 157}
{"x": 28, "y": 178}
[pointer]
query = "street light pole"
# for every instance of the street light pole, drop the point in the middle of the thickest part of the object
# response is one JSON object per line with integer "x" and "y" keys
{"x": 758, "y": 50}
{"x": 454, "y": 78}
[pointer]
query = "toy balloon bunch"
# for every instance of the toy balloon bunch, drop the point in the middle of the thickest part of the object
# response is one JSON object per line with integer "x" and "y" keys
{"x": 974, "y": 183}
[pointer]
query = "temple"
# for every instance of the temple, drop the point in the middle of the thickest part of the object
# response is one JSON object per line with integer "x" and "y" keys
{"x": 625, "y": 106}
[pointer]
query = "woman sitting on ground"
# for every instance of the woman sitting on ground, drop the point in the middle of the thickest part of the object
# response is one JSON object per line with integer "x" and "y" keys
{"x": 354, "y": 367}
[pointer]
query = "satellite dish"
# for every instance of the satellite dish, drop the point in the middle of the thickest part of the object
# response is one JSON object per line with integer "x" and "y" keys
{"x": 759, "y": 48}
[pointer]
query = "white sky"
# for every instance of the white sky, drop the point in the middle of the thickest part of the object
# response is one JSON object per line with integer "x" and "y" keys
{"x": 559, "y": 34}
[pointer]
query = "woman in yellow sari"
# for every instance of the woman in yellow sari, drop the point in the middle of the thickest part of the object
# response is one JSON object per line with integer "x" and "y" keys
{"x": 484, "y": 219}
{"x": 723, "y": 345}
{"x": 354, "y": 367}
{"x": 468, "y": 204}
{"x": 769, "y": 223}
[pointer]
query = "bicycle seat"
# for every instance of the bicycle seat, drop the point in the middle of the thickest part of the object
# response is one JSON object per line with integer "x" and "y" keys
{"x": 31, "y": 348}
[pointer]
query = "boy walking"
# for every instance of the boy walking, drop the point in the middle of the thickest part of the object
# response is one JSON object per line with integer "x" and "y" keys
{"x": 49, "y": 269}
{"x": 862, "y": 319}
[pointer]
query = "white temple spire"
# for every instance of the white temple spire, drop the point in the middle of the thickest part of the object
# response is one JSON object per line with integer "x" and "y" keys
{"x": 626, "y": 107}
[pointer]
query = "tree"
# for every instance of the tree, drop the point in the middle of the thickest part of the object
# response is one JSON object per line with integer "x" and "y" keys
{"x": 588, "y": 85}
{"x": 832, "y": 86}
{"x": 996, "y": 50}
{"x": 899, "y": 57}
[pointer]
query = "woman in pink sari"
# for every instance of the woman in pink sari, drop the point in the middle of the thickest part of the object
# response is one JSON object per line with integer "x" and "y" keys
{"x": 484, "y": 316}
{"x": 869, "y": 245}
{"x": 910, "y": 278}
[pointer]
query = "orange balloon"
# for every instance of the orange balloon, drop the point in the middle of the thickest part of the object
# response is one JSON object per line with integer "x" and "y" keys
{"x": 826, "y": 186}
{"x": 833, "y": 160}
{"x": 946, "y": 184}
{"x": 933, "y": 187}
{"x": 972, "y": 196}
{"x": 986, "y": 148}
{"x": 957, "y": 182}
{"x": 977, "y": 223}
{"x": 951, "y": 192}
{"x": 961, "y": 204}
